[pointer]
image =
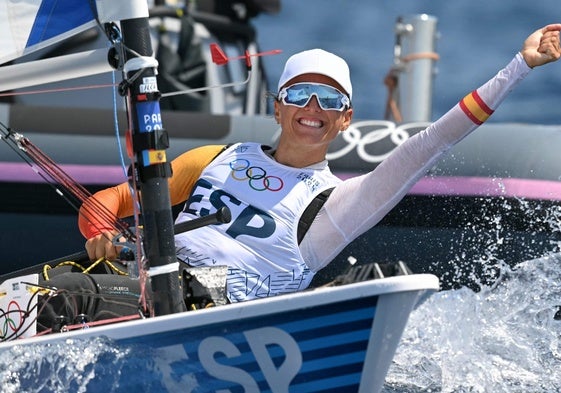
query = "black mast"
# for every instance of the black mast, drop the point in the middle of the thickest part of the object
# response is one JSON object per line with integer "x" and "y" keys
{"x": 149, "y": 143}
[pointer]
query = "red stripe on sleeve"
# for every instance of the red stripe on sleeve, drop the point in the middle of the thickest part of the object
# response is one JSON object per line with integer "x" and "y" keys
{"x": 481, "y": 103}
{"x": 468, "y": 113}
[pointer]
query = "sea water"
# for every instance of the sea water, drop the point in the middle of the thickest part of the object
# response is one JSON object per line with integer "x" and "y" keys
{"x": 502, "y": 338}
{"x": 499, "y": 337}
{"x": 89, "y": 366}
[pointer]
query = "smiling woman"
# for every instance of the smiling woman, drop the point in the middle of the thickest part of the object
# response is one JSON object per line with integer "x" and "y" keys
{"x": 313, "y": 125}
{"x": 260, "y": 244}
{"x": 493, "y": 198}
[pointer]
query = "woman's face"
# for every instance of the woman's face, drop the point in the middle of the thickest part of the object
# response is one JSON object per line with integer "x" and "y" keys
{"x": 311, "y": 126}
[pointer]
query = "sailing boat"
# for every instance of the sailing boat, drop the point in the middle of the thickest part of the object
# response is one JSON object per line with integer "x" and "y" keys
{"x": 340, "y": 337}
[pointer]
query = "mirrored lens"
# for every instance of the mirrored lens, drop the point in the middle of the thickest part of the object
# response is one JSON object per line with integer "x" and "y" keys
{"x": 329, "y": 98}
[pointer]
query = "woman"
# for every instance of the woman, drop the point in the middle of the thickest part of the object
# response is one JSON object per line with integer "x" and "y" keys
{"x": 267, "y": 250}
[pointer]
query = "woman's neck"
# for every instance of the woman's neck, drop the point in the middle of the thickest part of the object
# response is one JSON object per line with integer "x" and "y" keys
{"x": 298, "y": 157}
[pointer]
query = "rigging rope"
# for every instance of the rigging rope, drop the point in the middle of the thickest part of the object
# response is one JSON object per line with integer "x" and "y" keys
{"x": 57, "y": 90}
{"x": 92, "y": 210}
{"x": 62, "y": 182}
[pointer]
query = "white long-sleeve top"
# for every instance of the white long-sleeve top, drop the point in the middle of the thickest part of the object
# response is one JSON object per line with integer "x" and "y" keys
{"x": 359, "y": 203}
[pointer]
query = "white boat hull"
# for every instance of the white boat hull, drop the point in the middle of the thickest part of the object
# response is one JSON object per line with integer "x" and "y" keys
{"x": 328, "y": 339}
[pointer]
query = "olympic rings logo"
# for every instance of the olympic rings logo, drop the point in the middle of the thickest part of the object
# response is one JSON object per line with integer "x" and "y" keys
{"x": 12, "y": 324}
{"x": 255, "y": 175}
{"x": 369, "y": 136}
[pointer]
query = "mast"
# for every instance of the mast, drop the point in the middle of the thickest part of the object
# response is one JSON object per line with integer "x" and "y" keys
{"x": 150, "y": 141}
{"x": 45, "y": 22}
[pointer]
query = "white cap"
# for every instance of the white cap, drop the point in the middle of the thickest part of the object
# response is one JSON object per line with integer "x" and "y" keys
{"x": 318, "y": 61}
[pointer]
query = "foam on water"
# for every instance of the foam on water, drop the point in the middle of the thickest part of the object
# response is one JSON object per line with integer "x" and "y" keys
{"x": 68, "y": 366}
{"x": 503, "y": 338}
{"x": 90, "y": 366}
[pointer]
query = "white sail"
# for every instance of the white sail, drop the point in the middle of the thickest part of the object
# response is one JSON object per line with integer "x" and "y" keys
{"x": 58, "y": 69}
{"x": 34, "y": 24}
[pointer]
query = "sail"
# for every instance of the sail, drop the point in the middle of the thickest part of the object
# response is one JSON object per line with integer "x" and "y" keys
{"x": 34, "y": 24}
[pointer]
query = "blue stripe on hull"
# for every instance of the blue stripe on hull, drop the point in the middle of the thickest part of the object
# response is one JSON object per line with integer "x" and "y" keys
{"x": 331, "y": 341}
{"x": 56, "y": 17}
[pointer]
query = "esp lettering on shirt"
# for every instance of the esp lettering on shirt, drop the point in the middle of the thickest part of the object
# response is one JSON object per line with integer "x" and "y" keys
{"x": 246, "y": 220}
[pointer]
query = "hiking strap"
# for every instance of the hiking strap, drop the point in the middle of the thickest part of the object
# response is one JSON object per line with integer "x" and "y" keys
{"x": 310, "y": 213}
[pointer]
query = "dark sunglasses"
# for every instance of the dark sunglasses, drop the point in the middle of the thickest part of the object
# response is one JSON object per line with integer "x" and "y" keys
{"x": 300, "y": 94}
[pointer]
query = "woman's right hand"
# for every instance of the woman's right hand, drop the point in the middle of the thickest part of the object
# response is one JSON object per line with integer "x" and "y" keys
{"x": 101, "y": 246}
{"x": 542, "y": 46}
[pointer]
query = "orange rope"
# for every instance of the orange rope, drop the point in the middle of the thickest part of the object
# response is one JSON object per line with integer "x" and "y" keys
{"x": 420, "y": 55}
{"x": 391, "y": 81}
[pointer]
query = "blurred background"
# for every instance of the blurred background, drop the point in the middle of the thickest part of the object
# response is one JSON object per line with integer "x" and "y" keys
{"x": 477, "y": 38}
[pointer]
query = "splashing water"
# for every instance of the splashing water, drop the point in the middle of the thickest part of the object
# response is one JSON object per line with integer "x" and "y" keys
{"x": 89, "y": 366}
{"x": 499, "y": 234}
{"x": 68, "y": 366}
{"x": 503, "y": 338}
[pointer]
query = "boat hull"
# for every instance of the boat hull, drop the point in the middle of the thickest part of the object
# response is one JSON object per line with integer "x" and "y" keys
{"x": 328, "y": 339}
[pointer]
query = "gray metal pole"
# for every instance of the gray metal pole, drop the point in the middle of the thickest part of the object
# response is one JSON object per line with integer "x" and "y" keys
{"x": 415, "y": 58}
